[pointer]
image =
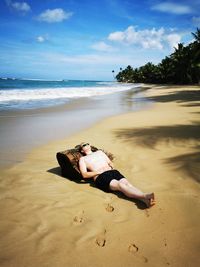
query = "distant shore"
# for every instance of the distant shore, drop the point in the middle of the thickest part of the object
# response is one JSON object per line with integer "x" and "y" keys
{"x": 47, "y": 220}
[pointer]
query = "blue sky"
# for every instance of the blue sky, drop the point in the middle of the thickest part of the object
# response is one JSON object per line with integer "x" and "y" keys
{"x": 82, "y": 39}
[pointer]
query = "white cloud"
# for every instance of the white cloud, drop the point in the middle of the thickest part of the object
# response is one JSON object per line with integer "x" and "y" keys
{"x": 117, "y": 36}
{"x": 144, "y": 38}
{"x": 147, "y": 39}
{"x": 169, "y": 7}
{"x": 42, "y": 39}
{"x": 19, "y": 6}
{"x": 54, "y": 15}
{"x": 173, "y": 39}
{"x": 102, "y": 46}
{"x": 196, "y": 21}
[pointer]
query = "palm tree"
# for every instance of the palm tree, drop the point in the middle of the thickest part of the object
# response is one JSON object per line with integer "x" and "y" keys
{"x": 113, "y": 74}
{"x": 181, "y": 67}
{"x": 197, "y": 35}
{"x": 166, "y": 70}
{"x": 195, "y": 64}
{"x": 181, "y": 64}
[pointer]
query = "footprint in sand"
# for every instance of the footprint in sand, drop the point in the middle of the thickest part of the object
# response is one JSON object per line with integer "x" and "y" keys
{"x": 109, "y": 208}
{"x": 79, "y": 218}
{"x": 134, "y": 249}
{"x": 101, "y": 239}
{"x": 144, "y": 259}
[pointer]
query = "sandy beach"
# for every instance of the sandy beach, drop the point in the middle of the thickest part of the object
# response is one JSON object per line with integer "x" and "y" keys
{"x": 50, "y": 221}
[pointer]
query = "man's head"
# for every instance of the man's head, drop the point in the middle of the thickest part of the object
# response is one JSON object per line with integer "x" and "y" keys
{"x": 85, "y": 148}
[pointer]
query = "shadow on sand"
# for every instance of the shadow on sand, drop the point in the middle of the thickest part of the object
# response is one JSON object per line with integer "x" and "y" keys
{"x": 179, "y": 96}
{"x": 57, "y": 171}
{"x": 189, "y": 163}
{"x": 149, "y": 137}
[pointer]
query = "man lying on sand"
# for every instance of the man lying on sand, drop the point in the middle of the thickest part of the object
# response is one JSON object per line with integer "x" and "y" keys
{"x": 106, "y": 178}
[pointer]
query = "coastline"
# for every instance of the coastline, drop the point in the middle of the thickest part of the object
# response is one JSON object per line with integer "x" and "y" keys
{"x": 51, "y": 221}
{"x": 23, "y": 130}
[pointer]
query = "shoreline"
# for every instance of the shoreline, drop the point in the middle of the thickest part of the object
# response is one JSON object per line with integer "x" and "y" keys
{"x": 24, "y": 130}
{"x": 48, "y": 220}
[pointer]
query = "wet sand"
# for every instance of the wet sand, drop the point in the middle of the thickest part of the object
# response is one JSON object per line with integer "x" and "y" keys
{"x": 47, "y": 220}
{"x": 23, "y": 130}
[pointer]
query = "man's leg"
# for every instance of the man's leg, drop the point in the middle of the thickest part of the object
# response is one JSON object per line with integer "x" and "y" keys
{"x": 130, "y": 191}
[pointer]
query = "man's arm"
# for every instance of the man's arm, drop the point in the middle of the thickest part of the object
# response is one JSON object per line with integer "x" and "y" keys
{"x": 83, "y": 170}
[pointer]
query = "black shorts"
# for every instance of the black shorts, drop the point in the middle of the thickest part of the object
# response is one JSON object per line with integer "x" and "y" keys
{"x": 103, "y": 180}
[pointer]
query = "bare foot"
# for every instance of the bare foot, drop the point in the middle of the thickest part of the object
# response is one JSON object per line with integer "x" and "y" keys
{"x": 149, "y": 199}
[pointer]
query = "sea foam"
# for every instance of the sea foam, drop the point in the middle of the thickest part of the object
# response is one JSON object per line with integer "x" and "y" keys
{"x": 33, "y": 93}
{"x": 57, "y": 93}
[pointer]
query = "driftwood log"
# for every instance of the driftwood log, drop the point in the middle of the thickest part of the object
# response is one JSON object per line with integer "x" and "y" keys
{"x": 69, "y": 162}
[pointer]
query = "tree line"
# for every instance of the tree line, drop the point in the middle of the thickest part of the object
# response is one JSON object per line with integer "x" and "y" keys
{"x": 181, "y": 67}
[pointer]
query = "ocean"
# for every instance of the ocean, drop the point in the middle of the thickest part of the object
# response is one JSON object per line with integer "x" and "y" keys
{"x": 17, "y": 94}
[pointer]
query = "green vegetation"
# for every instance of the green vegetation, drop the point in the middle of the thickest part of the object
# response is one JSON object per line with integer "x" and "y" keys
{"x": 181, "y": 67}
